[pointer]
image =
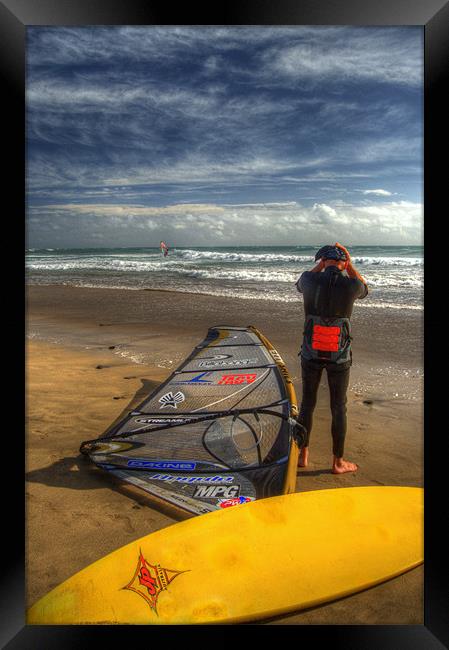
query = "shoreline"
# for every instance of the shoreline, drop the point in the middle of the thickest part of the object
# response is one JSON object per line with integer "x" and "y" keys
{"x": 215, "y": 296}
{"x": 101, "y": 352}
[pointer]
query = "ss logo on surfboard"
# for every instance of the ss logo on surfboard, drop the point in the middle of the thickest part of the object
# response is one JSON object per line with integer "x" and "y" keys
{"x": 150, "y": 580}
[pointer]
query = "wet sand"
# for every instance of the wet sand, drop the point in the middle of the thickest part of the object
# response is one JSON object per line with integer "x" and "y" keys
{"x": 94, "y": 354}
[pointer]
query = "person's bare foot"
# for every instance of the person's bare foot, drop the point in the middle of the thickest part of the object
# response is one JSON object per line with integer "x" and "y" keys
{"x": 341, "y": 466}
{"x": 303, "y": 457}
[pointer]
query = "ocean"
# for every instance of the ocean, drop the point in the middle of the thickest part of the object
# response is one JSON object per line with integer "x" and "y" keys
{"x": 395, "y": 274}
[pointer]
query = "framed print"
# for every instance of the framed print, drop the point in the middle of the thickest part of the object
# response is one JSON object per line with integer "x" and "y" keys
{"x": 183, "y": 175}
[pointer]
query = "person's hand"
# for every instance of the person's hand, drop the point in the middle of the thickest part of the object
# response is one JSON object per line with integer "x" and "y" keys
{"x": 345, "y": 250}
{"x": 319, "y": 266}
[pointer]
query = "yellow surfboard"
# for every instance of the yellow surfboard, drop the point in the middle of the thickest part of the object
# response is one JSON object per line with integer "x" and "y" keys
{"x": 248, "y": 562}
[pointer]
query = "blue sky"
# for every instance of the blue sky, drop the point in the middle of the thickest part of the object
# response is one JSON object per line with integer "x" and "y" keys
{"x": 222, "y": 136}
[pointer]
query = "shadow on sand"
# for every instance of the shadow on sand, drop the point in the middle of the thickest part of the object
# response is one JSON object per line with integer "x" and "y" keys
{"x": 312, "y": 472}
{"x": 79, "y": 473}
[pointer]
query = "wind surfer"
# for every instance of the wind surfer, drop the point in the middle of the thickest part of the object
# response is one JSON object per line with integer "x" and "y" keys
{"x": 328, "y": 301}
{"x": 164, "y": 248}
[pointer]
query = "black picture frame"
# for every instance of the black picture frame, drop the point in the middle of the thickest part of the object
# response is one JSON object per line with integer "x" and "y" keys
{"x": 433, "y": 15}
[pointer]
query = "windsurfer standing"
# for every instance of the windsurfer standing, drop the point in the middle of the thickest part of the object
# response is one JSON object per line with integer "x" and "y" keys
{"x": 329, "y": 296}
{"x": 164, "y": 248}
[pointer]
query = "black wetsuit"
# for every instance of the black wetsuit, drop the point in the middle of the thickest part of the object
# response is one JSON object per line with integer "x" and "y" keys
{"x": 328, "y": 294}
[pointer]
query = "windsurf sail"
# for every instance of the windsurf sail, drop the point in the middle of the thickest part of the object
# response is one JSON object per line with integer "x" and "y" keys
{"x": 164, "y": 248}
{"x": 220, "y": 431}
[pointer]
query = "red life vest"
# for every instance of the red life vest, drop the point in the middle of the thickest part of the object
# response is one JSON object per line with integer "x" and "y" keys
{"x": 327, "y": 339}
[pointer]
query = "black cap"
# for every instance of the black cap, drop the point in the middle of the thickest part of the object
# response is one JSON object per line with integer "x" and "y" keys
{"x": 331, "y": 253}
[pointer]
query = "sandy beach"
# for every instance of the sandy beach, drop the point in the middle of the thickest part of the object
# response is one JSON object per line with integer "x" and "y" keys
{"x": 94, "y": 354}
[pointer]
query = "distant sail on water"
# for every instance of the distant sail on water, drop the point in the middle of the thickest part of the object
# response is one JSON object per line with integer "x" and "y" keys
{"x": 221, "y": 431}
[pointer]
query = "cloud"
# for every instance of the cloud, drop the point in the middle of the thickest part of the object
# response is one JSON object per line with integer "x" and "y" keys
{"x": 173, "y": 127}
{"x": 116, "y": 211}
{"x": 324, "y": 212}
{"x": 152, "y": 44}
{"x": 336, "y": 53}
{"x": 378, "y": 192}
{"x": 351, "y": 55}
{"x": 209, "y": 224}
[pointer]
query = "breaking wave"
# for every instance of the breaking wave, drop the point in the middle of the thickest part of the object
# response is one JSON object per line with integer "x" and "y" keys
{"x": 395, "y": 275}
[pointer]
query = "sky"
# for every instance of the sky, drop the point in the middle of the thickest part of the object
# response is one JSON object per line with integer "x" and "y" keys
{"x": 222, "y": 136}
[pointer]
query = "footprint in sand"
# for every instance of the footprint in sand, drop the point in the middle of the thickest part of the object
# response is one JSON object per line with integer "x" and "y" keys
{"x": 361, "y": 451}
{"x": 126, "y": 521}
